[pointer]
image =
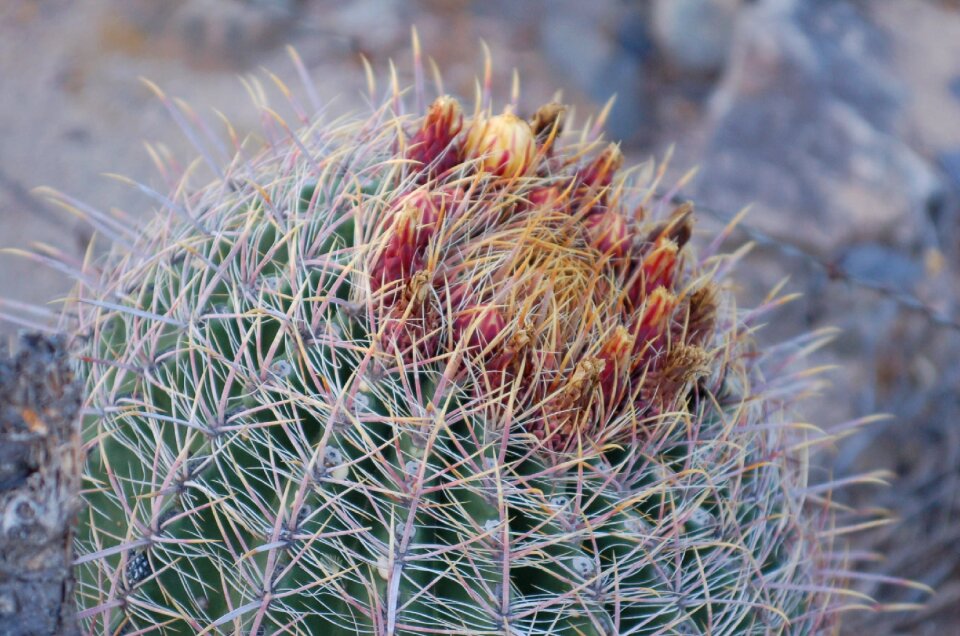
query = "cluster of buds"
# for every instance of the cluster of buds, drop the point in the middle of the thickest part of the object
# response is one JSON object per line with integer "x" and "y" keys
{"x": 537, "y": 274}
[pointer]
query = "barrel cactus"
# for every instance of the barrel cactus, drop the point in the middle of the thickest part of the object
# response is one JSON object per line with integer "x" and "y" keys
{"x": 433, "y": 372}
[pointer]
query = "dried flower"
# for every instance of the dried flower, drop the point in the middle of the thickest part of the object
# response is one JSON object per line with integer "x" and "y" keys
{"x": 547, "y": 119}
{"x": 678, "y": 228}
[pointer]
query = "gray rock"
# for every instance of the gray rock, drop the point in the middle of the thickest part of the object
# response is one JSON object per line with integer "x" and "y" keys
{"x": 955, "y": 87}
{"x": 633, "y": 34}
{"x": 950, "y": 162}
{"x": 695, "y": 35}
{"x": 881, "y": 265}
{"x": 224, "y": 32}
{"x": 376, "y": 25}
{"x": 588, "y": 52}
{"x": 803, "y": 126}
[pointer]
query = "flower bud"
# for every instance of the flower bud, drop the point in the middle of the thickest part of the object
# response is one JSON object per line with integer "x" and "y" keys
{"x": 658, "y": 308}
{"x": 544, "y": 196}
{"x": 654, "y": 318}
{"x": 600, "y": 172}
{"x": 504, "y": 145}
{"x": 414, "y": 221}
{"x": 432, "y": 145}
{"x": 657, "y": 269}
{"x": 607, "y": 232}
{"x": 480, "y": 325}
{"x": 615, "y": 355}
{"x": 660, "y": 265}
{"x": 594, "y": 181}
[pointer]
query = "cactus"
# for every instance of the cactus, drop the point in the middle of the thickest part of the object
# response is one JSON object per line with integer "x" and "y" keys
{"x": 431, "y": 372}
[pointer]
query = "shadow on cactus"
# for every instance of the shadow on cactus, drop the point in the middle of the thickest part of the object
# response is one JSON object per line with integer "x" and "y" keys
{"x": 435, "y": 372}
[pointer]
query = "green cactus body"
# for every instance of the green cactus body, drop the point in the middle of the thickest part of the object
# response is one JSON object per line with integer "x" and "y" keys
{"x": 433, "y": 374}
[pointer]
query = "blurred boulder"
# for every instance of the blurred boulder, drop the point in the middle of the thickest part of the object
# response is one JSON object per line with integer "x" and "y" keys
{"x": 230, "y": 33}
{"x": 600, "y": 50}
{"x": 878, "y": 264}
{"x": 695, "y": 35}
{"x": 803, "y": 125}
{"x": 950, "y": 162}
{"x": 206, "y": 33}
{"x": 377, "y": 28}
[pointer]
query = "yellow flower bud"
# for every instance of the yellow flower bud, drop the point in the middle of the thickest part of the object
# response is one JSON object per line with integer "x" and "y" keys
{"x": 504, "y": 144}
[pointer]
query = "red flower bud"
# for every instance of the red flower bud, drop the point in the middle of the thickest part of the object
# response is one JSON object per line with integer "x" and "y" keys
{"x": 600, "y": 172}
{"x": 654, "y": 318}
{"x": 432, "y": 145}
{"x": 615, "y": 355}
{"x": 657, "y": 269}
{"x": 479, "y": 325}
{"x": 594, "y": 181}
{"x": 413, "y": 224}
{"x": 660, "y": 265}
{"x": 607, "y": 232}
{"x": 543, "y": 196}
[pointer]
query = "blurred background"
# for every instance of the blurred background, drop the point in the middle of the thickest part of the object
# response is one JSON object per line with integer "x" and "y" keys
{"x": 837, "y": 120}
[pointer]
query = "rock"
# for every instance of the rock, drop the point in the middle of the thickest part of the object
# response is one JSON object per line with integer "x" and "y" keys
{"x": 223, "y": 33}
{"x": 376, "y": 27}
{"x": 881, "y": 265}
{"x": 206, "y": 33}
{"x": 589, "y": 53}
{"x": 695, "y": 35}
{"x": 803, "y": 125}
{"x": 633, "y": 34}
{"x": 950, "y": 162}
{"x": 40, "y": 465}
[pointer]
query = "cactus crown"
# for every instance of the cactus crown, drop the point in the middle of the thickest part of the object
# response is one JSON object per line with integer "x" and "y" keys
{"x": 433, "y": 373}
